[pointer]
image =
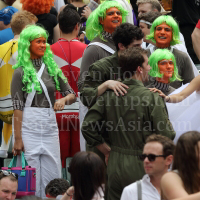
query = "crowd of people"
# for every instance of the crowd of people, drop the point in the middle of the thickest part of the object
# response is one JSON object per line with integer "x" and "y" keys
{"x": 105, "y": 83}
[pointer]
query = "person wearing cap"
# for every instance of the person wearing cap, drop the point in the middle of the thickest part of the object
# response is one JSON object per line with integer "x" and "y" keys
{"x": 6, "y": 33}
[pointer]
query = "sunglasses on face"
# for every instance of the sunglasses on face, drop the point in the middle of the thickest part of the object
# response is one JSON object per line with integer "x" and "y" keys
{"x": 151, "y": 157}
{"x": 6, "y": 173}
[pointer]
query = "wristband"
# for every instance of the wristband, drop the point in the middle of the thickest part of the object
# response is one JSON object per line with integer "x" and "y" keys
{"x": 168, "y": 99}
{"x": 198, "y": 24}
{"x": 69, "y": 194}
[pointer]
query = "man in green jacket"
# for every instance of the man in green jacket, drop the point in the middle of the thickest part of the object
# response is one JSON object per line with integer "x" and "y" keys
{"x": 105, "y": 73}
{"x": 129, "y": 119}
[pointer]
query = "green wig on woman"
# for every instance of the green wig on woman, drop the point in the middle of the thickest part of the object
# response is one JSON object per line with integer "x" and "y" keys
{"x": 93, "y": 26}
{"x": 27, "y": 35}
{"x": 170, "y": 22}
{"x": 158, "y": 55}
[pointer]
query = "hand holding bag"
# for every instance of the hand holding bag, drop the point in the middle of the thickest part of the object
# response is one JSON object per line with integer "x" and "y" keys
{"x": 26, "y": 176}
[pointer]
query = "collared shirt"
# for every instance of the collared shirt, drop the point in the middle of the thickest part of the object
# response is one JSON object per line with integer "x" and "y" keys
{"x": 149, "y": 192}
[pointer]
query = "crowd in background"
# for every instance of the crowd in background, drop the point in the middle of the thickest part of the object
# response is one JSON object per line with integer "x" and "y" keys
{"x": 98, "y": 89}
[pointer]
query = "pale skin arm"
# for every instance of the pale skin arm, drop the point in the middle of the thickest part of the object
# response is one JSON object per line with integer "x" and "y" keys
{"x": 105, "y": 149}
{"x": 18, "y": 144}
{"x": 196, "y": 41}
{"x": 176, "y": 98}
{"x": 172, "y": 186}
{"x": 195, "y": 196}
{"x": 116, "y": 86}
{"x": 56, "y": 33}
{"x": 68, "y": 100}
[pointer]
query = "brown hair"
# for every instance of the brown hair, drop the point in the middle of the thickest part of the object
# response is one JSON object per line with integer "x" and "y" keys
{"x": 37, "y": 7}
{"x": 11, "y": 177}
{"x": 20, "y": 20}
{"x": 87, "y": 174}
{"x": 149, "y": 17}
{"x": 186, "y": 161}
{"x": 130, "y": 59}
{"x": 168, "y": 145}
{"x": 154, "y": 4}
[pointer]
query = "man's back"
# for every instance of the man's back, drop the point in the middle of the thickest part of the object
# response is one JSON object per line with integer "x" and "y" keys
{"x": 70, "y": 53}
{"x": 131, "y": 118}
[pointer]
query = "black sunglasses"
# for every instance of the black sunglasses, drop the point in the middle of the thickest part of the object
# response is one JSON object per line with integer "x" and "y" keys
{"x": 151, "y": 157}
{"x": 7, "y": 173}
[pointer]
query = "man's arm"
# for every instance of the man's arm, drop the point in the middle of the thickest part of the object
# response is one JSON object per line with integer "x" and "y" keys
{"x": 92, "y": 124}
{"x": 97, "y": 82}
{"x": 196, "y": 39}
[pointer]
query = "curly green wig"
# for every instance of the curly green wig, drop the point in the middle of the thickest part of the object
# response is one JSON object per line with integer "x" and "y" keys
{"x": 159, "y": 55}
{"x": 170, "y": 22}
{"x": 27, "y": 35}
{"x": 93, "y": 26}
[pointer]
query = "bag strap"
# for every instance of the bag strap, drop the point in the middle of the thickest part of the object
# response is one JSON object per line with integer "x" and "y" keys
{"x": 139, "y": 189}
{"x": 24, "y": 163}
{"x": 103, "y": 46}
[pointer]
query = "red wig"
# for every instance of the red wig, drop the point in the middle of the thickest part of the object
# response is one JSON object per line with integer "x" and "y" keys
{"x": 37, "y": 7}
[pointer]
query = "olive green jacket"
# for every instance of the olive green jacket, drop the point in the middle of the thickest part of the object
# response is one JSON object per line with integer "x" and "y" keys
{"x": 105, "y": 69}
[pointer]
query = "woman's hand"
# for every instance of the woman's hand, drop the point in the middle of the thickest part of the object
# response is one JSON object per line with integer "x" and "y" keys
{"x": 68, "y": 194}
{"x": 59, "y": 105}
{"x": 18, "y": 147}
{"x": 159, "y": 91}
{"x": 86, "y": 12}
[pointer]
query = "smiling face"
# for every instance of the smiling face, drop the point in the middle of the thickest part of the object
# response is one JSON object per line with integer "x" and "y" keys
{"x": 38, "y": 48}
{"x": 166, "y": 67}
{"x": 163, "y": 35}
{"x": 112, "y": 20}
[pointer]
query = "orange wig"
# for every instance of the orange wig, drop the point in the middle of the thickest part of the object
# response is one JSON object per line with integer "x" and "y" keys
{"x": 37, "y": 7}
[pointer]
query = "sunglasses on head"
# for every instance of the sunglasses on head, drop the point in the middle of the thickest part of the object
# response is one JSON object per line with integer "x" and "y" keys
{"x": 7, "y": 173}
{"x": 151, "y": 157}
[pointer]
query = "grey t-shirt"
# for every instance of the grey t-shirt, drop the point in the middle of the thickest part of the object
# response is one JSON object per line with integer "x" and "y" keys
{"x": 91, "y": 55}
{"x": 40, "y": 100}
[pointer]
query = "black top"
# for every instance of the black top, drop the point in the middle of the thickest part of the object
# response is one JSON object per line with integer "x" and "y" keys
{"x": 186, "y": 12}
{"x": 53, "y": 11}
{"x": 80, "y": 10}
{"x": 48, "y": 21}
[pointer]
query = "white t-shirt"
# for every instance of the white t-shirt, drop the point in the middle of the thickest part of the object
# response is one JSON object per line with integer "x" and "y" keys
{"x": 149, "y": 192}
{"x": 58, "y": 4}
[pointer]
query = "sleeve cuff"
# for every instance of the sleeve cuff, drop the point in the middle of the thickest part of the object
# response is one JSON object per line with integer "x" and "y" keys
{"x": 18, "y": 105}
{"x": 70, "y": 91}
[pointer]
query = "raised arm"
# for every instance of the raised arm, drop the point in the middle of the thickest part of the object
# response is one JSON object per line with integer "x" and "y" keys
{"x": 176, "y": 98}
